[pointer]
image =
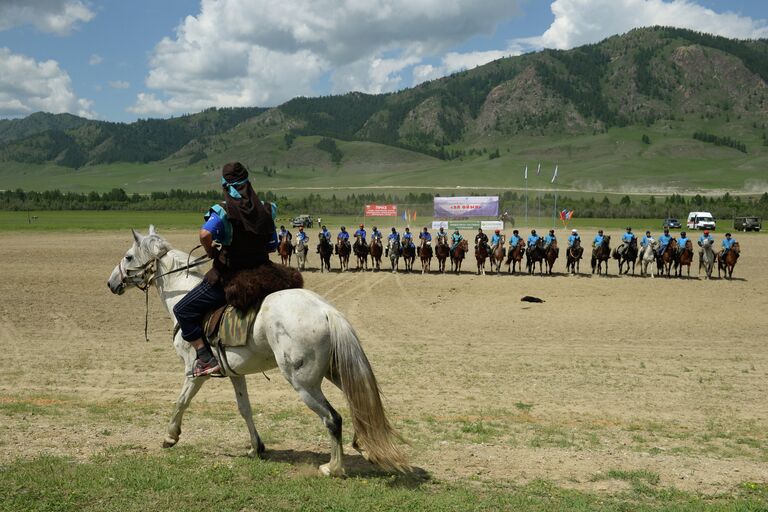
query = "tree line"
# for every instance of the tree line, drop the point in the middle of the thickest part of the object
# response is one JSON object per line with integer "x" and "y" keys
{"x": 674, "y": 205}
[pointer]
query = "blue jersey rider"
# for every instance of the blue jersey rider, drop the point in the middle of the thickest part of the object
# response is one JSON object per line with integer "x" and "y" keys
{"x": 598, "y": 241}
{"x": 342, "y": 238}
{"x": 574, "y": 236}
{"x": 727, "y": 243}
{"x": 514, "y": 239}
{"x": 393, "y": 238}
{"x": 664, "y": 241}
{"x": 426, "y": 236}
{"x": 245, "y": 235}
{"x": 681, "y": 242}
{"x": 495, "y": 238}
{"x": 626, "y": 239}
{"x": 549, "y": 238}
{"x": 303, "y": 238}
{"x": 361, "y": 233}
{"x": 647, "y": 238}
{"x": 326, "y": 235}
{"x": 533, "y": 239}
{"x": 408, "y": 238}
{"x": 376, "y": 234}
{"x": 441, "y": 234}
{"x": 456, "y": 239}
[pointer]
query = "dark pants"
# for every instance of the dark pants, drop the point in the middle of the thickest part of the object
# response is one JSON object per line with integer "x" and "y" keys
{"x": 190, "y": 310}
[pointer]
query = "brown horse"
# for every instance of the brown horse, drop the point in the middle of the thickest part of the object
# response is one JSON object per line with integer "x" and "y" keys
{"x": 728, "y": 261}
{"x": 684, "y": 258}
{"x": 360, "y": 248}
{"x": 425, "y": 255}
{"x": 550, "y": 255}
{"x": 667, "y": 258}
{"x": 376, "y": 251}
{"x": 325, "y": 249}
{"x": 409, "y": 255}
{"x": 573, "y": 256}
{"x": 516, "y": 257}
{"x": 442, "y": 252}
{"x": 601, "y": 254}
{"x": 481, "y": 254}
{"x": 457, "y": 256}
{"x": 497, "y": 255}
{"x": 285, "y": 249}
{"x": 343, "y": 249}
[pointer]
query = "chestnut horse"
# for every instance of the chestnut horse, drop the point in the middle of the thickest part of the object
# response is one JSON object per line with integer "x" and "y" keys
{"x": 285, "y": 249}
{"x": 425, "y": 255}
{"x": 497, "y": 255}
{"x": 535, "y": 255}
{"x": 376, "y": 252}
{"x": 550, "y": 255}
{"x": 457, "y": 256}
{"x": 442, "y": 252}
{"x": 409, "y": 255}
{"x": 325, "y": 249}
{"x": 685, "y": 258}
{"x": 668, "y": 258}
{"x": 343, "y": 250}
{"x": 361, "y": 252}
{"x": 601, "y": 254}
{"x": 481, "y": 254}
{"x": 727, "y": 262}
{"x": 573, "y": 256}
{"x": 516, "y": 257}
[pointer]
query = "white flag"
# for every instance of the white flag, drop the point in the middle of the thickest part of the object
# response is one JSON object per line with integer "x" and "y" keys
{"x": 554, "y": 176}
{"x": 538, "y": 169}
{"x": 526, "y": 172}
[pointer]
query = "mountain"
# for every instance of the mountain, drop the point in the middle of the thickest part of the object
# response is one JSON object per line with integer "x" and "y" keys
{"x": 630, "y": 101}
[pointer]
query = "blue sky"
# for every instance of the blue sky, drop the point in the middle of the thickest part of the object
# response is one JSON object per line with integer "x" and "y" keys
{"x": 122, "y": 60}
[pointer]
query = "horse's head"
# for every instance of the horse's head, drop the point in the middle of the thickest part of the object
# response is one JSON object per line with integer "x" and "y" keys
{"x": 707, "y": 244}
{"x": 137, "y": 266}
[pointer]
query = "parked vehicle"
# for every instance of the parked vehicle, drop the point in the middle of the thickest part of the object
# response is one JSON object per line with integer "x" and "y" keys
{"x": 672, "y": 224}
{"x": 701, "y": 220}
{"x": 302, "y": 220}
{"x": 747, "y": 223}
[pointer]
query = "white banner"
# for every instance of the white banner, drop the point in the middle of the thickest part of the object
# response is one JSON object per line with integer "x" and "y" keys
{"x": 437, "y": 224}
{"x": 491, "y": 225}
{"x": 459, "y": 207}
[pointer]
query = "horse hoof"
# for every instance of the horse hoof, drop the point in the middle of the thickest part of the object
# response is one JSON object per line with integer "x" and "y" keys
{"x": 326, "y": 470}
{"x": 169, "y": 443}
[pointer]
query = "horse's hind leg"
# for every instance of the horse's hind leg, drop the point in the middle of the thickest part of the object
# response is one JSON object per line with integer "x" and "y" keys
{"x": 315, "y": 400}
{"x": 244, "y": 406}
{"x": 188, "y": 391}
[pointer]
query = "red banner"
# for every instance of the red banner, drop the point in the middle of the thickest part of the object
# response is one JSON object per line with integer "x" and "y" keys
{"x": 381, "y": 210}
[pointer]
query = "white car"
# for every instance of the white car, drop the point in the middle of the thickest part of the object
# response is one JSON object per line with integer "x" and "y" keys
{"x": 701, "y": 220}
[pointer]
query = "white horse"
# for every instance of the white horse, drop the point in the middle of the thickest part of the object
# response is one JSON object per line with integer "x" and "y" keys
{"x": 707, "y": 257}
{"x": 322, "y": 345}
{"x": 301, "y": 255}
{"x": 648, "y": 256}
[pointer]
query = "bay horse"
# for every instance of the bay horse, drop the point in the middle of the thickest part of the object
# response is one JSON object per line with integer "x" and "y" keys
{"x": 409, "y": 255}
{"x": 707, "y": 257}
{"x": 481, "y": 254}
{"x": 442, "y": 252}
{"x": 376, "y": 251}
{"x": 457, "y": 256}
{"x": 425, "y": 255}
{"x": 601, "y": 254}
{"x": 343, "y": 249}
{"x": 325, "y": 249}
{"x": 361, "y": 252}
{"x": 515, "y": 257}
{"x": 322, "y": 346}
{"x": 628, "y": 256}
{"x": 284, "y": 250}
{"x": 727, "y": 262}
{"x": 535, "y": 255}
{"x": 497, "y": 255}
{"x": 684, "y": 258}
{"x": 551, "y": 254}
{"x": 648, "y": 256}
{"x": 668, "y": 258}
{"x": 393, "y": 250}
{"x": 573, "y": 255}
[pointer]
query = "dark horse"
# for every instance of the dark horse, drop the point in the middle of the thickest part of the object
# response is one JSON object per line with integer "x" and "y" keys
{"x": 573, "y": 256}
{"x": 361, "y": 252}
{"x": 727, "y": 262}
{"x": 601, "y": 254}
{"x": 376, "y": 251}
{"x": 668, "y": 258}
{"x": 481, "y": 254}
{"x": 325, "y": 249}
{"x": 343, "y": 249}
{"x": 457, "y": 256}
{"x": 442, "y": 252}
{"x": 516, "y": 257}
{"x": 628, "y": 256}
{"x": 535, "y": 255}
{"x": 425, "y": 255}
{"x": 550, "y": 255}
{"x": 685, "y": 257}
{"x": 409, "y": 255}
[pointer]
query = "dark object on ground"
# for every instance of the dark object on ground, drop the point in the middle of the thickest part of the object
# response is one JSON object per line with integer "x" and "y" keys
{"x": 528, "y": 298}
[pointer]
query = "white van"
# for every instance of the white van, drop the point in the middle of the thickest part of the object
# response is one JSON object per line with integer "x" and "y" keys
{"x": 701, "y": 220}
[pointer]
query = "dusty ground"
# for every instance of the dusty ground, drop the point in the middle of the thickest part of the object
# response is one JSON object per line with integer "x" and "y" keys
{"x": 610, "y": 373}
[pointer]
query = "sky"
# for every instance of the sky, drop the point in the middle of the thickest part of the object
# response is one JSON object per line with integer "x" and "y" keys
{"x": 119, "y": 60}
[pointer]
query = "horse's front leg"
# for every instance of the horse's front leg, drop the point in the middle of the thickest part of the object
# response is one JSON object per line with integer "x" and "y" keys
{"x": 244, "y": 406}
{"x": 188, "y": 391}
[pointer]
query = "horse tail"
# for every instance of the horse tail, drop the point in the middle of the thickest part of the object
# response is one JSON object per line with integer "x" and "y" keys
{"x": 355, "y": 377}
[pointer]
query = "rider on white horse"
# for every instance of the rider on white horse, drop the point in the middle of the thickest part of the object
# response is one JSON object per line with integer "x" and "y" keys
{"x": 252, "y": 229}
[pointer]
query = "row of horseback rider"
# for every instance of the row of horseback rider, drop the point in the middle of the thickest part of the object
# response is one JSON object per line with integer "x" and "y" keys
{"x": 665, "y": 241}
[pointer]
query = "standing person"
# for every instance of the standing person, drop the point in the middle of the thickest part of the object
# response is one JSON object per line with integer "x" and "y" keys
{"x": 456, "y": 238}
{"x": 480, "y": 237}
{"x": 251, "y": 227}
{"x": 425, "y": 235}
{"x": 574, "y": 236}
{"x": 341, "y": 238}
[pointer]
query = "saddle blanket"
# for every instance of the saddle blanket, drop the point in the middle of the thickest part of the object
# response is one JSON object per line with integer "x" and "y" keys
{"x": 234, "y": 326}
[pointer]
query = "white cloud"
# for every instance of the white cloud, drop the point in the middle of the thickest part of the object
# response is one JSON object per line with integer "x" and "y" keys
{"x": 453, "y": 62}
{"x": 119, "y": 84}
{"x": 579, "y": 22}
{"x": 55, "y": 16}
{"x": 27, "y": 86}
{"x": 95, "y": 59}
{"x": 262, "y": 52}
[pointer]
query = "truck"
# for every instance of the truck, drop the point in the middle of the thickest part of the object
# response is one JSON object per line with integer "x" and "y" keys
{"x": 747, "y": 223}
{"x": 701, "y": 220}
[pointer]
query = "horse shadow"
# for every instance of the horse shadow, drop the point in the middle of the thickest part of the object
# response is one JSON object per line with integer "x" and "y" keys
{"x": 355, "y": 466}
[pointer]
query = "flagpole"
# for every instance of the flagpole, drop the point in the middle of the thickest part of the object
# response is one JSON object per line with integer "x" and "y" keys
{"x": 526, "y": 195}
{"x": 554, "y": 213}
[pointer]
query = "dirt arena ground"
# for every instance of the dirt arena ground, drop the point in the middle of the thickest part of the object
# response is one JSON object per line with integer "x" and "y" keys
{"x": 610, "y": 373}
